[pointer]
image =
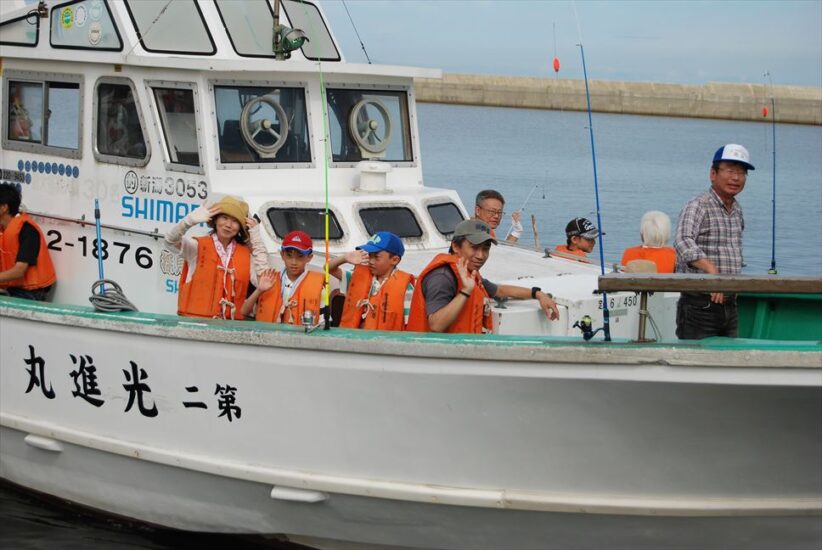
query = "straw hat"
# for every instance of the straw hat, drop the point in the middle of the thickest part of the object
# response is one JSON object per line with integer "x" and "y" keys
{"x": 236, "y": 208}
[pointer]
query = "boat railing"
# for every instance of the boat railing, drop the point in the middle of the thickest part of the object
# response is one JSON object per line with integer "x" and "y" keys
{"x": 83, "y": 221}
{"x": 644, "y": 284}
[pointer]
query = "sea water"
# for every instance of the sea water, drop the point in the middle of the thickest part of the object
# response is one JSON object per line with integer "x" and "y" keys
{"x": 643, "y": 163}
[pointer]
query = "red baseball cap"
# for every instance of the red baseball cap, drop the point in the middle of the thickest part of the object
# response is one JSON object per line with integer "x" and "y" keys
{"x": 300, "y": 241}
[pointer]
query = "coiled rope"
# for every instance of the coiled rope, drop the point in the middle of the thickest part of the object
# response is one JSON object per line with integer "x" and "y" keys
{"x": 108, "y": 296}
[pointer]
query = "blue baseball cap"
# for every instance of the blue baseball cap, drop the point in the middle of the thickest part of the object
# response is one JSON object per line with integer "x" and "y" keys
{"x": 384, "y": 240}
{"x": 734, "y": 153}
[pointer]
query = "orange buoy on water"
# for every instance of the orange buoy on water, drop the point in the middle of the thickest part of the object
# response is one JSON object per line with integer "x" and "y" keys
{"x": 765, "y": 112}
{"x": 556, "y": 64}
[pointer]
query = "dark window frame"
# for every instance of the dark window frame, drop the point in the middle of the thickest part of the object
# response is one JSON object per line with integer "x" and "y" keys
{"x": 428, "y": 208}
{"x": 84, "y": 48}
{"x": 318, "y": 210}
{"x": 386, "y": 208}
{"x": 178, "y": 52}
{"x": 36, "y": 32}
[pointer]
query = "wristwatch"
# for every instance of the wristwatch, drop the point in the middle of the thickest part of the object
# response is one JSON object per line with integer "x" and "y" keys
{"x": 534, "y": 290}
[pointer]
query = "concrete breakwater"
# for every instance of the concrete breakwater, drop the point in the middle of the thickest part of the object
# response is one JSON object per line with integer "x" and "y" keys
{"x": 794, "y": 104}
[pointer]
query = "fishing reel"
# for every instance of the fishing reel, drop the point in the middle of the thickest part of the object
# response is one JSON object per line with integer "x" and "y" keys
{"x": 586, "y": 326}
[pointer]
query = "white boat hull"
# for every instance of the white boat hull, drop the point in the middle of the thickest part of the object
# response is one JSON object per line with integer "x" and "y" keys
{"x": 429, "y": 441}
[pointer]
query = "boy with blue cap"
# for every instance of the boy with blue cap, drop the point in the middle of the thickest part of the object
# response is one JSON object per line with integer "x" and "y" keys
{"x": 376, "y": 292}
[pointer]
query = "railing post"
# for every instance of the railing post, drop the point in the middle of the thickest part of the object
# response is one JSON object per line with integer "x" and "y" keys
{"x": 643, "y": 317}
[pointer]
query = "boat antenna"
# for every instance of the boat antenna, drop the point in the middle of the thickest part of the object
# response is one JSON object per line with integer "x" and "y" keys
{"x": 522, "y": 208}
{"x": 772, "y": 270}
{"x": 356, "y": 31}
{"x": 326, "y": 309}
{"x": 606, "y": 323}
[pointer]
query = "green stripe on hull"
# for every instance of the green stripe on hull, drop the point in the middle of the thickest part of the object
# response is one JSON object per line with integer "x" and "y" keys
{"x": 161, "y": 320}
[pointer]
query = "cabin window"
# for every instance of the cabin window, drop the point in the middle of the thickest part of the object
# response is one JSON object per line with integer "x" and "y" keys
{"x": 119, "y": 130}
{"x": 84, "y": 24}
{"x": 305, "y": 16}
{"x": 369, "y": 124}
{"x": 43, "y": 115}
{"x": 310, "y": 220}
{"x": 446, "y": 217}
{"x": 176, "y": 109}
{"x": 171, "y": 27}
{"x": 250, "y": 28}
{"x": 260, "y": 124}
{"x": 397, "y": 220}
{"x": 26, "y": 111}
{"x": 20, "y": 31}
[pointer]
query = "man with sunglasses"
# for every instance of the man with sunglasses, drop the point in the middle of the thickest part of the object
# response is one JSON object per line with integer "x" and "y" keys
{"x": 488, "y": 207}
{"x": 709, "y": 240}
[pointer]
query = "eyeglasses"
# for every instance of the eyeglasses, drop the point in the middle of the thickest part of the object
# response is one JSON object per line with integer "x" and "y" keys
{"x": 734, "y": 170}
{"x": 493, "y": 212}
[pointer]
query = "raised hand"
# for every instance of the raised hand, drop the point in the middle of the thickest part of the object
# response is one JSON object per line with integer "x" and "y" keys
{"x": 250, "y": 222}
{"x": 357, "y": 257}
{"x": 204, "y": 213}
{"x": 266, "y": 280}
{"x": 466, "y": 277}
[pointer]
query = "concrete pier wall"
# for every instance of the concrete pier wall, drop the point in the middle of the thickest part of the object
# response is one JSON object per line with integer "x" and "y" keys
{"x": 794, "y": 104}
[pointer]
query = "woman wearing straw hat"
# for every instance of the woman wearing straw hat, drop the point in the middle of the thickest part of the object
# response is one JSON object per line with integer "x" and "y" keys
{"x": 219, "y": 266}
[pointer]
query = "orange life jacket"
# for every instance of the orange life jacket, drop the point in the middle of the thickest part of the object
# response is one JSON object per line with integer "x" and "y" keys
{"x": 215, "y": 291}
{"x": 40, "y": 275}
{"x": 663, "y": 256}
{"x": 472, "y": 319}
{"x": 565, "y": 250}
{"x": 383, "y": 311}
{"x": 307, "y": 296}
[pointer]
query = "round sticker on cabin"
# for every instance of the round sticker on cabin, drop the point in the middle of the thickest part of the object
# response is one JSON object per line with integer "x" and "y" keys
{"x": 95, "y": 11}
{"x": 130, "y": 182}
{"x": 66, "y": 18}
{"x": 95, "y": 34}
{"x": 80, "y": 15}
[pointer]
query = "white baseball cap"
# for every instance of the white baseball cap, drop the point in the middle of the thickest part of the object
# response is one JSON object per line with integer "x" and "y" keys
{"x": 734, "y": 153}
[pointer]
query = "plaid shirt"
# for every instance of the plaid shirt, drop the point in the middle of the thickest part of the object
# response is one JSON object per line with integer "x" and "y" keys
{"x": 706, "y": 230}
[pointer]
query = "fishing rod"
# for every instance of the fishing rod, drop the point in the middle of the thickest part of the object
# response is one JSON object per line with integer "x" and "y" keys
{"x": 326, "y": 309}
{"x": 522, "y": 208}
{"x": 606, "y": 322}
{"x": 772, "y": 270}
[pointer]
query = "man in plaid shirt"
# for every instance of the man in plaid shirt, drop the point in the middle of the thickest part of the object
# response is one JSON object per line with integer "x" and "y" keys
{"x": 709, "y": 240}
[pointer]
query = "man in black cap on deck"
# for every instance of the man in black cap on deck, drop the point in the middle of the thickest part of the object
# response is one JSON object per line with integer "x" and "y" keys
{"x": 580, "y": 238}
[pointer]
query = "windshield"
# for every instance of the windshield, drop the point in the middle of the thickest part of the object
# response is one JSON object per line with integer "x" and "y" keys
{"x": 369, "y": 124}
{"x": 262, "y": 124}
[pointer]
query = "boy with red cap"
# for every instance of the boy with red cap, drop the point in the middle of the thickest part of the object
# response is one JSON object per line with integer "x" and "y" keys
{"x": 376, "y": 292}
{"x": 284, "y": 297}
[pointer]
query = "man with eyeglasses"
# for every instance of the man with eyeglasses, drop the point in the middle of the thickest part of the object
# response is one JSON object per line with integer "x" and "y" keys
{"x": 488, "y": 207}
{"x": 709, "y": 240}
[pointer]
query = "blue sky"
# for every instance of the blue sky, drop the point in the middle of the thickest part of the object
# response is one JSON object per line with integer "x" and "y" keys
{"x": 683, "y": 42}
